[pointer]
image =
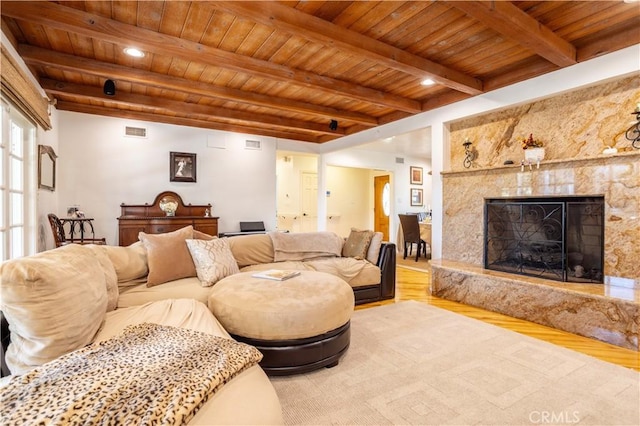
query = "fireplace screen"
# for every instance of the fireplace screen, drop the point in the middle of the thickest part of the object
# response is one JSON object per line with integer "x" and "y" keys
{"x": 556, "y": 238}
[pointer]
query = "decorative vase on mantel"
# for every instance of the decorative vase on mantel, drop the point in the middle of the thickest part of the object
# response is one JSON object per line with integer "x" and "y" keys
{"x": 534, "y": 155}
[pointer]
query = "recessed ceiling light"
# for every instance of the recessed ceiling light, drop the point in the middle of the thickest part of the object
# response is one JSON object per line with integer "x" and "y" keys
{"x": 132, "y": 51}
{"x": 427, "y": 82}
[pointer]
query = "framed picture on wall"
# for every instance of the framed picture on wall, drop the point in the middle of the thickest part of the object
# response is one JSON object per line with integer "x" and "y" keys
{"x": 416, "y": 175}
{"x": 182, "y": 167}
{"x": 416, "y": 197}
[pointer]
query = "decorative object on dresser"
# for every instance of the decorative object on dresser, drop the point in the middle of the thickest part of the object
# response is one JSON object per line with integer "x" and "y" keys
{"x": 152, "y": 219}
{"x": 169, "y": 205}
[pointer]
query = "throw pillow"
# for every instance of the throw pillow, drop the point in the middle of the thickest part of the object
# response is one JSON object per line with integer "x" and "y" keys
{"x": 374, "y": 248}
{"x": 168, "y": 256}
{"x": 357, "y": 243}
{"x": 213, "y": 260}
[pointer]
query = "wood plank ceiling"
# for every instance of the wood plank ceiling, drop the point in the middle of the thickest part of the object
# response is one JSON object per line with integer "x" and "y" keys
{"x": 287, "y": 69}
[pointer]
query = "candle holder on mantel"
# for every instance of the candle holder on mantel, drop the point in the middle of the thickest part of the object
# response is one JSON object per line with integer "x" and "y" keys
{"x": 469, "y": 154}
{"x": 633, "y": 132}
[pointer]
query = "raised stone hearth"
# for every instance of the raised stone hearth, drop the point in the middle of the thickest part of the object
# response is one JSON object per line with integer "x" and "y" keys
{"x": 608, "y": 312}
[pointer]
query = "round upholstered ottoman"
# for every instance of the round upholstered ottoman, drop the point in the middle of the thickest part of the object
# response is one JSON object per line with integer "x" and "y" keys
{"x": 299, "y": 324}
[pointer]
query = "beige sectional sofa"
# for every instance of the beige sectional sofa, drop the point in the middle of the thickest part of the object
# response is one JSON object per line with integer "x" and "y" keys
{"x": 69, "y": 300}
{"x": 370, "y": 270}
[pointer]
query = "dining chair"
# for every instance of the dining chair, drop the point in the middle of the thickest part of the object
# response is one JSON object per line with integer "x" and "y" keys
{"x": 60, "y": 237}
{"x": 411, "y": 235}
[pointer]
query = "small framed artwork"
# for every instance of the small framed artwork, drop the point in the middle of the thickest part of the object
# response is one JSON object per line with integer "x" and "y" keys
{"x": 182, "y": 167}
{"x": 416, "y": 175}
{"x": 416, "y": 197}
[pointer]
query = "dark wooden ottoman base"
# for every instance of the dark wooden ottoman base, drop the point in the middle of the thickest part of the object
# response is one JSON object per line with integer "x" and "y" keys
{"x": 296, "y": 356}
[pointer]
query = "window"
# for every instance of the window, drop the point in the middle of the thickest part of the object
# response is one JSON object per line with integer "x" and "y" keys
{"x": 17, "y": 184}
{"x": 386, "y": 199}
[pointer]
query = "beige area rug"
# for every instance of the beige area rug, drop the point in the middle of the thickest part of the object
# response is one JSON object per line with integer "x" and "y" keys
{"x": 411, "y": 363}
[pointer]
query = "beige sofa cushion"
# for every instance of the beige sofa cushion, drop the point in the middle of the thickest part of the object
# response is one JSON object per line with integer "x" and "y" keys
{"x": 130, "y": 262}
{"x": 110, "y": 276}
{"x": 251, "y": 249}
{"x": 182, "y": 288}
{"x": 357, "y": 273}
{"x": 55, "y": 302}
{"x": 199, "y": 235}
{"x": 168, "y": 256}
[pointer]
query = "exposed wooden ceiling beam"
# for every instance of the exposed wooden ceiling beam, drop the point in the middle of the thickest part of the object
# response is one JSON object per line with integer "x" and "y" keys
{"x": 509, "y": 20}
{"x": 90, "y": 25}
{"x": 135, "y": 100}
{"x": 43, "y": 57}
{"x": 318, "y": 30}
{"x": 183, "y": 121}
{"x": 610, "y": 44}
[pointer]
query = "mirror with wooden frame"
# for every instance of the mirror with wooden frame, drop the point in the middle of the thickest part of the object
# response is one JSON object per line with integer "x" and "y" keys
{"x": 46, "y": 167}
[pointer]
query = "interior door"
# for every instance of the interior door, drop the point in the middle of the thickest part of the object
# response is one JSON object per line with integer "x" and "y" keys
{"x": 309, "y": 202}
{"x": 382, "y": 205}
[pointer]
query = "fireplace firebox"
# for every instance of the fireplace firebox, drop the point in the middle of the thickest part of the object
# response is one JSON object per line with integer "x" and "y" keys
{"x": 558, "y": 238}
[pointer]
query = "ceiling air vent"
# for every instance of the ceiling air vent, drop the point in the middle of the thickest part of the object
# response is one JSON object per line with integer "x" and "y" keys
{"x": 136, "y": 132}
{"x": 399, "y": 160}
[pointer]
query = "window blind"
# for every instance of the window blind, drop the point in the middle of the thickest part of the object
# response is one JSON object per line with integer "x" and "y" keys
{"x": 17, "y": 87}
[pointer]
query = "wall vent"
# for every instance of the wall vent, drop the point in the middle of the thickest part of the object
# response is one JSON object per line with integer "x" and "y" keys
{"x": 399, "y": 160}
{"x": 252, "y": 144}
{"x": 136, "y": 132}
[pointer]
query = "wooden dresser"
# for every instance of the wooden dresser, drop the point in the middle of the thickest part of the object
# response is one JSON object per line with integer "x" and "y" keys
{"x": 150, "y": 218}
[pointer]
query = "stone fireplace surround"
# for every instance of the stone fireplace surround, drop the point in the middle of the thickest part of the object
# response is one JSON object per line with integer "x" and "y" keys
{"x": 608, "y": 312}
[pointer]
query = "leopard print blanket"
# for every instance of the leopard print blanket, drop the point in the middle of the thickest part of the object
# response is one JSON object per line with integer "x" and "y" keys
{"x": 149, "y": 374}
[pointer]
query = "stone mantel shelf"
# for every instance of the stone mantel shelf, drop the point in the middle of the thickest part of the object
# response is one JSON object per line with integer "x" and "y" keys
{"x": 516, "y": 167}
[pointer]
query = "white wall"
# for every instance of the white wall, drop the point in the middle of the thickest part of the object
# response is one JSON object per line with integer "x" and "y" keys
{"x": 99, "y": 168}
{"x": 289, "y": 181}
{"x": 349, "y": 201}
{"x": 400, "y": 181}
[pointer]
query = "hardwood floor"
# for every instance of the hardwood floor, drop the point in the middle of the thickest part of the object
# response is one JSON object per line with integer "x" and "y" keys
{"x": 414, "y": 284}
